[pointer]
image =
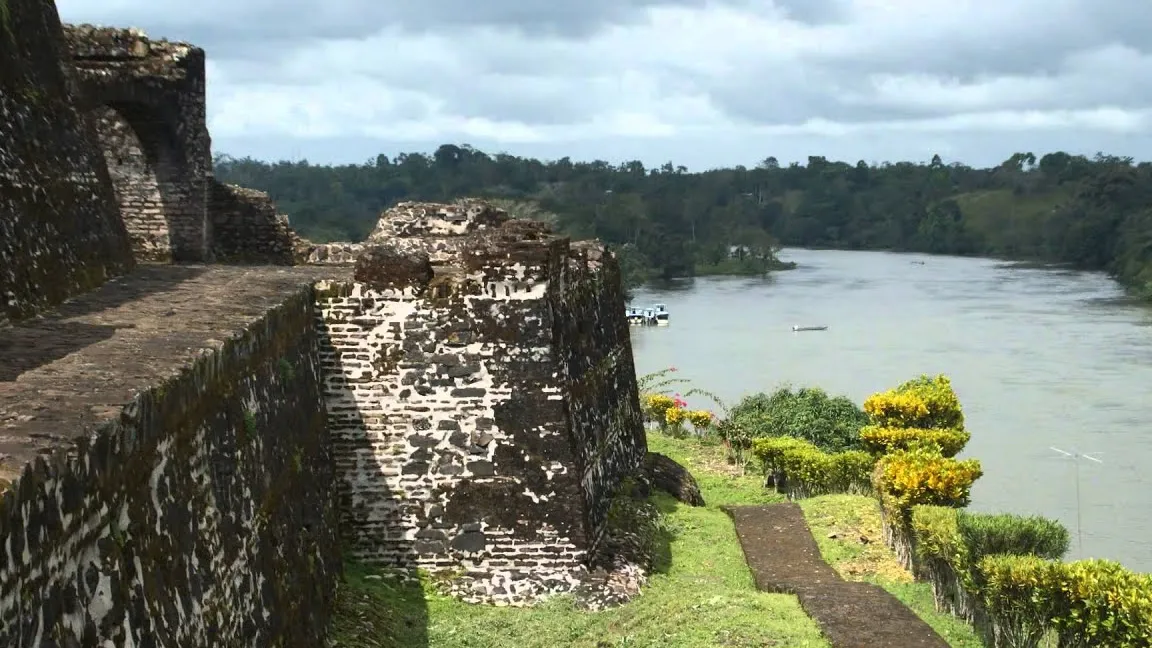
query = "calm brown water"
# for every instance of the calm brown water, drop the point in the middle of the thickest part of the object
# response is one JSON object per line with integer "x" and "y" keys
{"x": 1040, "y": 357}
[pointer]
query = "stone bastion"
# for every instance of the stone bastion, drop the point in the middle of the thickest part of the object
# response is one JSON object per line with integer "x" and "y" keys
{"x": 202, "y": 415}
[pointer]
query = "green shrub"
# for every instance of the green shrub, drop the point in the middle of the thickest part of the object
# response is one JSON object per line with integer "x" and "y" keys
{"x": 950, "y": 541}
{"x": 1017, "y": 597}
{"x": 800, "y": 469}
{"x": 941, "y": 557}
{"x": 832, "y": 423}
{"x": 985, "y": 534}
{"x": 1087, "y": 603}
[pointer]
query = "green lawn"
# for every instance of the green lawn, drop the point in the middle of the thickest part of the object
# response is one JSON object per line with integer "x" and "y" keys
{"x": 705, "y": 598}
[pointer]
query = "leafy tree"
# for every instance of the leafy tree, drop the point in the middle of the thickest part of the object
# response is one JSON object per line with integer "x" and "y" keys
{"x": 1090, "y": 212}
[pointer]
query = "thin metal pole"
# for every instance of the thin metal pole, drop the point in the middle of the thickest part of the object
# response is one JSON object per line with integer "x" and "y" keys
{"x": 1079, "y": 523}
{"x": 1076, "y": 456}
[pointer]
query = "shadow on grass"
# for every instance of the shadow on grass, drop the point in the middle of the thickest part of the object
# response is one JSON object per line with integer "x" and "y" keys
{"x": 374, "y": 611}
{"x": 664, "y": 533}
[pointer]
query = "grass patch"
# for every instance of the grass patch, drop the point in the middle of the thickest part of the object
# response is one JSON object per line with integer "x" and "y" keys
{"x": 847, "y": 530}
{"x": 706, "y": 597}
{"x": 721, "y": 482}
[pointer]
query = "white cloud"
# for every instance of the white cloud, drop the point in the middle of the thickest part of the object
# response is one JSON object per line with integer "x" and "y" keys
{"x": 707, "y": 83}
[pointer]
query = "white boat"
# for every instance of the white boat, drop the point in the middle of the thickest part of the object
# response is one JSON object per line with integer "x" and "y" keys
{"x": 653, "y": 316}
{"x": 798, "y": 328}
{"x": 661, "y": 314}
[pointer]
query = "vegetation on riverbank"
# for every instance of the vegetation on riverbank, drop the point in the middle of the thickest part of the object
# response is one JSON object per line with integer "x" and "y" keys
{"x": 1093, "y": 213}
{"x": 1001, "y": 573}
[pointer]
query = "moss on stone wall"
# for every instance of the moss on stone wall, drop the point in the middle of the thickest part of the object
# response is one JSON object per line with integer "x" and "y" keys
{"x": 60, "y": 229}
{"x": 6, "y": 21}
{"x": 213, "y": 491}
{"x": 593, "y": 338}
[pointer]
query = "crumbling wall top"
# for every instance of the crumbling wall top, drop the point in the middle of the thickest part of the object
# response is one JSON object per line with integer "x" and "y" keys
{"x": 417, "y": 219}
{"x": 462, "y": 233}
{"x": 112, "y": 45}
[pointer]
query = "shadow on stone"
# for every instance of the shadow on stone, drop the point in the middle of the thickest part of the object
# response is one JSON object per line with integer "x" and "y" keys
{"x": 385, "y": 267}
{"x": 147, "y": 279}
{"x": 637, "y": 544}
{"x": 24, "y": 348}
{"x": 381, "y": 604}
{"x": 37, "y": 342}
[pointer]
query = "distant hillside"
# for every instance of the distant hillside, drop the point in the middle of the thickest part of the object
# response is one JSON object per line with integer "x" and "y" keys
{"x": 1093, "y": 213}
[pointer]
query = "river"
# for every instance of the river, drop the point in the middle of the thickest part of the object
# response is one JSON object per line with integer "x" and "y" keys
{"x": 1040, "y": 358}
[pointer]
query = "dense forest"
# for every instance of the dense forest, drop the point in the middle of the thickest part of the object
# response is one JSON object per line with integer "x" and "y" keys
{"x": 1093, "y": 213}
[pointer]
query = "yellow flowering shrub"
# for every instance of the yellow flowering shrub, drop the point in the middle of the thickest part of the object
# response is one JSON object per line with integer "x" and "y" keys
{"x": 922, "y": 475}
{"x": 924, "y": 402}
{"x": 699, "y": 419}
{"x": 655, "y": 405}
{"x": 674, "y": 416}
{"x": 881, "y": 440}
{"x": 1086, "y": 603}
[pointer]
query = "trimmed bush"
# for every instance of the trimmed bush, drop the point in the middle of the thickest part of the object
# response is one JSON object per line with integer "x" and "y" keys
{"x": 922, "y": 475}
{"x": 832, "y": 423}
{"x": 948, "y": 542}
{"x": 881, "y": 440}
{"x": 940, "y": 556}
{"x": 919, "y": 475}
{"x": 986, "y": 534}
{"x": 800, "y": 469}
{"x": 924, "y": 402}
{"x": 1088, "y": 603}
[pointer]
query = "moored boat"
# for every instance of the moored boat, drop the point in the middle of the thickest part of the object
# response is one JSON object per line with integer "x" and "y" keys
{"x": 656, "y": 315}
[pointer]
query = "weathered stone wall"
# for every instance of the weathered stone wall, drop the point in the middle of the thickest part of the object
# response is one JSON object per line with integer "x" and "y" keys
{"x": 246, "y": 228}
{"x": 204, "y": 516}
{"x": 459, "y": 416}
{"x": 594, "y": 347}
{"x": 146, "y": 100}
{"x": 60, "y": 231}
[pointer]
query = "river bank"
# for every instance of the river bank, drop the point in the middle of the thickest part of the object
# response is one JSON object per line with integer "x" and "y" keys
{"x": 1040, "y": 357}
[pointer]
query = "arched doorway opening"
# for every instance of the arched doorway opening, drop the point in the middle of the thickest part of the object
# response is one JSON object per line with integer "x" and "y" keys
{"x": 151, "y": 180}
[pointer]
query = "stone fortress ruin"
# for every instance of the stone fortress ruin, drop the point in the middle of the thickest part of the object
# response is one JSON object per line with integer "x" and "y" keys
{"x": 202, "y": 413}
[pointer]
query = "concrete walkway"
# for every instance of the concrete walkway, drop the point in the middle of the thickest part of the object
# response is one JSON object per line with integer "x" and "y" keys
{"x": 784, "y": 558}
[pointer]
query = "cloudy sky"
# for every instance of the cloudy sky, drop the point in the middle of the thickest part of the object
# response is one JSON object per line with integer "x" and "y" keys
{"x": 704, "y": 83}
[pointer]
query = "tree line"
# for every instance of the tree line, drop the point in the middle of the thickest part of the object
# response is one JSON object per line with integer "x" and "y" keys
{"x": 1088, "y": 212}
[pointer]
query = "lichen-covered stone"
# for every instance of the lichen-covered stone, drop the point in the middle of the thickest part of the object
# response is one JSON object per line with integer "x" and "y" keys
{"x": 483, "y": 423}
{"x": 386, "y": 267}
{"x": 247, "y": 228}
{"x": 203, "y": 512}
{"x": 672, "y": 478}
{"x": 60, "y": 230}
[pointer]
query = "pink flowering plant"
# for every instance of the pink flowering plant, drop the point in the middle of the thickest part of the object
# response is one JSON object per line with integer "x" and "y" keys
{"x": 670, "y": 413}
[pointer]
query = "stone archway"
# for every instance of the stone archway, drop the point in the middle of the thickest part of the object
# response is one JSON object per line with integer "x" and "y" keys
{"x": 145, "y": 99}
{"x": 148, "y": 175}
